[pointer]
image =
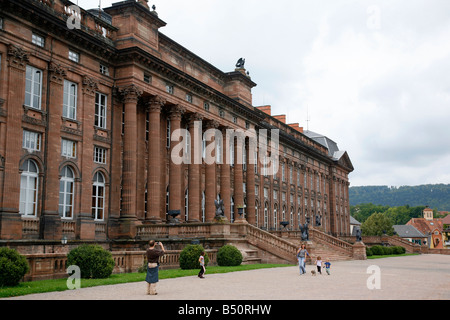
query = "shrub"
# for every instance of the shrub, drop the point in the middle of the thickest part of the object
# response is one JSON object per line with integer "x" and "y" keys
{"x": 387, "y": 251}
{"x": 398, "y": 250}
{"x": 189, "y": 257}
{"x": 13, "y": 266}
{"x": 229, "y": 256}
{"x": 368, "y": 252}
{"x": 94, "y": 261}
{"x": 377, "y": 250}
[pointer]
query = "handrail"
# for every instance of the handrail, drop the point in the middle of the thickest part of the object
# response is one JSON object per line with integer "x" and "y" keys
{"x": 271, "y": 243}
{"x": 339, "y": 244}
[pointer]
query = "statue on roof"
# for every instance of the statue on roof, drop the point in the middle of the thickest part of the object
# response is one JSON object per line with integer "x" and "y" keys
{"x": 241, "y": 63}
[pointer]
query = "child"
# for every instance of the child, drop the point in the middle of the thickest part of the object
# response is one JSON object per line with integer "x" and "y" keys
{"x": 319, "y": 264}
{"x": 327, "y": 266}
{"x": 201, "y": 260}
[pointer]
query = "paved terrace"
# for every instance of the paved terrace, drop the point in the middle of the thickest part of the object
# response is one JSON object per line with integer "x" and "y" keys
{"x": 421, "y": 277}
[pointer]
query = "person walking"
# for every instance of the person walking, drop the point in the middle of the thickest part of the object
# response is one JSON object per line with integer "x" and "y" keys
{"x": 327, "y": 266}
{"x": 153, "y": 255}
{"x": 201, "y": 260}
{"x": 319, "y": 265}
{"x": 301, "y": 256}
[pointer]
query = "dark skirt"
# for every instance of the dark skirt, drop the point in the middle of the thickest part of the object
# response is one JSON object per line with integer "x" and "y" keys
{"x": 152, "y": 275}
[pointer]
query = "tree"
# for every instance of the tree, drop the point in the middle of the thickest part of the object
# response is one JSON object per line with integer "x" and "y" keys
{"x": 377, "y": 224}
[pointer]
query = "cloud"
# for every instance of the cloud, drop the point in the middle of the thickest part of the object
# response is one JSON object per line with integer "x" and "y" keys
{"x": 375, "y": 75}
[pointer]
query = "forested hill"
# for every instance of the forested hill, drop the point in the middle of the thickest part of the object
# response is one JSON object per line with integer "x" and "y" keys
{"x": 436, "y": 196}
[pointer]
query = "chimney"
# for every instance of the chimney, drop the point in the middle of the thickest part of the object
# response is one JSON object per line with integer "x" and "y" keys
{"x": 296, "y": 126}
{"x": 265, "y": 109}
{"x": 281, "y": 118}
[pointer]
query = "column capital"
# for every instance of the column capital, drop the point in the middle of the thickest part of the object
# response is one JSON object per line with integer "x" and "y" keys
{"x": 212, "y": 124}
{"x": 193, "y": 117}
{"x": 17, "y": 57}
{"x": 176, "y": 112}
{"x": 130, "y": 93}
{"x": 89, "y": 85}
{"x": 57, "y": 72}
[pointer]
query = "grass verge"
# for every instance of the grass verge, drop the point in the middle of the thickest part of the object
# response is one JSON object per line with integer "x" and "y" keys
{"x": 26, "y": 288}
{"x": 392, "y": 256}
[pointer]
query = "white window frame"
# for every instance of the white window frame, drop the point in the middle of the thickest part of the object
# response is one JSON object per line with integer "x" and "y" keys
{"x": 66, "y": 188}
{"x": 98, "y": 197}
{"x": 104, "y": 69}
{"x": 74, "y": 56}
{"x": 33, "y": 87}
{"x": 70, "y": 100}
{"x": 38, "y": 40}
{"x": 101, "y": 108}
{"x": 100, "y": 155}
{"x": 31, "y": 141}
{"x": 29, "y": 189}
{"x": 68, "y": 149}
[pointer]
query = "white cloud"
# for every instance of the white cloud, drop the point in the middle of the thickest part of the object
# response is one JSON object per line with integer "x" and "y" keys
{"x": 374, "y": 74}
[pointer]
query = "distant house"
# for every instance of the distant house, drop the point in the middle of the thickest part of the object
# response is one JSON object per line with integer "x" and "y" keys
{"x": 354, "y": 225}
{"x": 432, "y": 228}
{"x": 446, "y": 231}
{"x": 410, "y": 233}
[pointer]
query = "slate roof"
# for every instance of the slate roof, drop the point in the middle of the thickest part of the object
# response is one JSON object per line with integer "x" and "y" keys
{"x": 408, "y": 231}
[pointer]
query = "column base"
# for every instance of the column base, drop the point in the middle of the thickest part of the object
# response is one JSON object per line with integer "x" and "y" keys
{"x": 85, "y": 227}
{"x": 50, "y": 226}
{"x": 10, "y": 225}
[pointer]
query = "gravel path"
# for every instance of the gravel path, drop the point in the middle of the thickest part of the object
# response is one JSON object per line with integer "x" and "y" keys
{"x": 421, "y": 277}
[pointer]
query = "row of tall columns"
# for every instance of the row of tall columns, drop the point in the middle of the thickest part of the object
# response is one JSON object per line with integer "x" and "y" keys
{"x": 155, "y": 212}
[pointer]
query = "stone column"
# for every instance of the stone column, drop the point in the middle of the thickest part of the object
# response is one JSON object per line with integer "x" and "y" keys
{"x": 10, "y": 220}
{"x": 50, "y": 221}
{"x": 239, "y": 148}
{"x": 225, "y": 175}
{"x": 154, "y": 209}
{"x": 195, "y": 197}
{"x": 85, "y": 229}
{"x": 251, "y": 196}
{"x": 176, "y": 181}
{"x": 128, "y": 217}
{"x": 210, "y": 179}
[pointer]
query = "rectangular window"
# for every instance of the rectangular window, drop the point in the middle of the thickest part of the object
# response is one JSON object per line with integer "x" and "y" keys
{"x": 169, "y": 88}
{"x": 189, "y": 98}
{"x": 100, "y": 110}
{"x": 38, "y": 40}
{"x": 74, "y": 56}
{"x": 31, "y": 141}
{"x": 104, "y": 69}
{"x": 33, "y": 88}
{"x": 68, "y": 148}
{"x": 147, "y": 78}
{"x": 70, "y": 100}
{"x": 100, "y": 155}
{"x": 206, "y": 106}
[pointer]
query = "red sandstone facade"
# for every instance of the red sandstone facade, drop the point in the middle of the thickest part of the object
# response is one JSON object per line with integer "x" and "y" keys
{"x": 86, "y": 123}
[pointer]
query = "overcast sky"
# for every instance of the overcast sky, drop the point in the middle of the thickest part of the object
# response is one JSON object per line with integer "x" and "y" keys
{"x": 374, "y": 76}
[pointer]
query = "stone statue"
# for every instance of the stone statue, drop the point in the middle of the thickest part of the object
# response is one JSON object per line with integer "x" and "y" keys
{"x": 305, "y": 232}
{"x": 318, "y": 221}
{"x": 358, "y": 235}
{"x": 241, "y": 63}
{"x": 220, "y": 208}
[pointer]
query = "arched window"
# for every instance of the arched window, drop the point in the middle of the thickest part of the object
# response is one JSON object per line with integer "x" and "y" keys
{"x": 232, "y": 209}
{"x": 29, "y": 181}
{"x": 98, "y": 197}
{"x": 203, "y": 206}
{"x": 66, "y": 193}
{"x": 266, "y": 215}
{"x": 186, "y": 205}
{"x": 275, "y": 216}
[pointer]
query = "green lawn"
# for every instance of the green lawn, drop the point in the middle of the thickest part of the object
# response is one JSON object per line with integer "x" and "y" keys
{"x": 26, "y": 288}
{"x": 392, "y": 255}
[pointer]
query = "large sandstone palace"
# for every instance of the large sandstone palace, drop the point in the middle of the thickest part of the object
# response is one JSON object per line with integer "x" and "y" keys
{"x": 89, "y": 104}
